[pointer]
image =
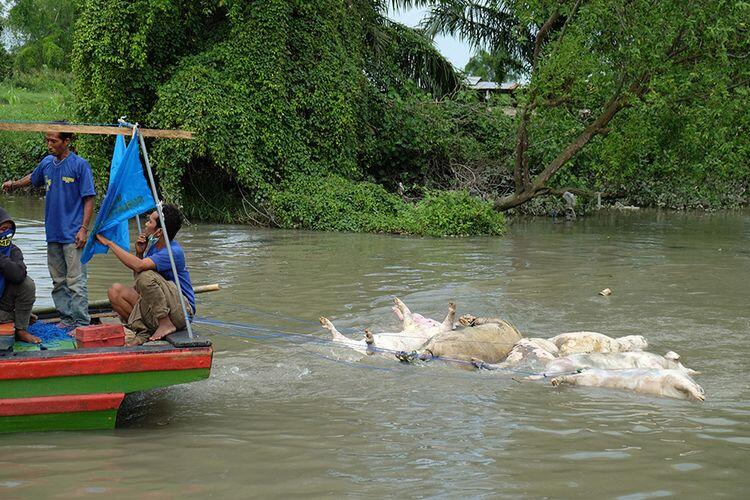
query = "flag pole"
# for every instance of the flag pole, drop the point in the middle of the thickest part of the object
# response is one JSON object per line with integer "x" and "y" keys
{"x": 163, "y": 225}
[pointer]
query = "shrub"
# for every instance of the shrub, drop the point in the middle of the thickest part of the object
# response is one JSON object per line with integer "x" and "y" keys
{"x": 456, "y": 213}
{"x": 336, "y": 204}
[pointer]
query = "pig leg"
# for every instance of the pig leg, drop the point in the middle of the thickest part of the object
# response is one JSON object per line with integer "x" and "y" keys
{"x": 405, "y": 313}
{"x": 398, "y": 313}
{"x": 691, "y": 390}
{"x": 335, "y": 334}
{"x": 450, "y": 318}
{"x": 357, "y": 345}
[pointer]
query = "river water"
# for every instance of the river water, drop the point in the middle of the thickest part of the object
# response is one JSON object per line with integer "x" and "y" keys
{"x": 279, "y": 418}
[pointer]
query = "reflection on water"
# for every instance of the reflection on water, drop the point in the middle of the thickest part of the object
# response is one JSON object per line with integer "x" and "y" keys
{"x": 278, "y": 418}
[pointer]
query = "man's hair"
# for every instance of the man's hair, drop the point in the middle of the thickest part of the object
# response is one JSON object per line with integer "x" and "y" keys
{"x": 64, "y": 135}
{"x": 172, "y": 219}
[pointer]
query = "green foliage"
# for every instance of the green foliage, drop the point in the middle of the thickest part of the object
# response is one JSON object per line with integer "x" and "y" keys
{"x": 675, "y": 83}
{"x": 45, "y": 28}
{"x": 280, "y": 90}
{"x": 19, "y": 154}
{"x": 30, "y": 97}
{"x": 6, "y": 63}
{"x": 456, "y": 213}
{"x": 681, "y": 143}
{"x": 336, "y": 204}
{"x": 448, "y": 143}
{"x": 496, "y": 66}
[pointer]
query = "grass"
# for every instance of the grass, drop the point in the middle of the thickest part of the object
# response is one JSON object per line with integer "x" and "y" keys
{"x": 36, "y": 97}
{"x": 31, "y": 97}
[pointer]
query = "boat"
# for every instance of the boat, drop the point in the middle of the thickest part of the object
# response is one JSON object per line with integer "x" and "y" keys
{"x": 69, "y": 387}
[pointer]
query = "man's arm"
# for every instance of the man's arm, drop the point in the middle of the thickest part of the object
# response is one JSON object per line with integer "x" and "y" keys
{"x": 88, "y": 211}
{"x": 136, "y": 264}
{"x": 21, "y": 183}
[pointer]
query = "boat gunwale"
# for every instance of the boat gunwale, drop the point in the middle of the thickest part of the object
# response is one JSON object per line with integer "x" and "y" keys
{"x": 89, "y": 351}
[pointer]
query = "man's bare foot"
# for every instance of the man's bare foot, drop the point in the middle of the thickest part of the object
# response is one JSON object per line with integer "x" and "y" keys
{"x": 25, "y": 336}
{"x": 165, "y": 328}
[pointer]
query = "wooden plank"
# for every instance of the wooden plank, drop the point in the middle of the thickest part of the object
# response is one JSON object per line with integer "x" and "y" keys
{"x": 94, "y": 129}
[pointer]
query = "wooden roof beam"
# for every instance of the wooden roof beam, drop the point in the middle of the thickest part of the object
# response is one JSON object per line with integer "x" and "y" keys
{"x": 93, "y": 129}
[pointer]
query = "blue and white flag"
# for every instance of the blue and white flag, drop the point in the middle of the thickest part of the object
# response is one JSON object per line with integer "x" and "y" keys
{"x": 128, "y": 195}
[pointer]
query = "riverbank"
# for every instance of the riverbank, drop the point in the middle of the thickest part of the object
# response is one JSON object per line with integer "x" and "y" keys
{"x": 334, "y": 203}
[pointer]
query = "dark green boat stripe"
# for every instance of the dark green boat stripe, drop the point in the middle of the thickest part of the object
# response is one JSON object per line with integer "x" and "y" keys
{"x": 104, "y": 419}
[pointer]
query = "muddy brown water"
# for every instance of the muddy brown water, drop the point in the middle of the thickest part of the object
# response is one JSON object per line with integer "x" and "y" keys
{"x": 279, "y": 418}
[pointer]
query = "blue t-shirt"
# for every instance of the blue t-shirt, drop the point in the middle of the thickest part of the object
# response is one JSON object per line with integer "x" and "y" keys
{"x": 67, "y": 184}
{"x": 163, "y": 267}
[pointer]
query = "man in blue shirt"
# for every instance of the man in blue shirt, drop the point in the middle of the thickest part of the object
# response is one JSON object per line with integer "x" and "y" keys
{"x": 151, "y": 308}
{"x": 68, "y": 207}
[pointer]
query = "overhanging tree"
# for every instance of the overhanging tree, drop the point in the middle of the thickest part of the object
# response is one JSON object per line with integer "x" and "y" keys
{"x": 590, "y": 59}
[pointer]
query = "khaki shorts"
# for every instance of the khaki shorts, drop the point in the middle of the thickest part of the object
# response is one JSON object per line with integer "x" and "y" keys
{"x": 159, "y": 298}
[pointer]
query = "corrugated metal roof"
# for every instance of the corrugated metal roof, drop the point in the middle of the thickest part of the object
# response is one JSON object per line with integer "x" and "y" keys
{"x": 476, "y": 83}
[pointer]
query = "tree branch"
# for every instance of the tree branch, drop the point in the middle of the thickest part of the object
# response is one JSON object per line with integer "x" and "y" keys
{"x": 541, "y": 35}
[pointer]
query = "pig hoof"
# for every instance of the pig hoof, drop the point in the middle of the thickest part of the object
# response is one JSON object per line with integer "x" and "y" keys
{"x": 672, "y": 356}
{"x": 406, "y": 357}
{"x": 478, "y": 363}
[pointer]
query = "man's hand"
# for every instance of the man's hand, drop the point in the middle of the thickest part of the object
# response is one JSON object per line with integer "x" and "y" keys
{"x": 140, "y": 244}
{"x": 8, "y": 186}
{"x": 81, "y": 237}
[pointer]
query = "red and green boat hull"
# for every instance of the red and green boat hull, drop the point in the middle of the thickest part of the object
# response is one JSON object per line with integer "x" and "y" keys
{"x": 83, "y": 388}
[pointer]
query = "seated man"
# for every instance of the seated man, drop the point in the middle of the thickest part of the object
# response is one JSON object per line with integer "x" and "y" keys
{"x": 151, "y": 308}
{"x": 17, "y": 289}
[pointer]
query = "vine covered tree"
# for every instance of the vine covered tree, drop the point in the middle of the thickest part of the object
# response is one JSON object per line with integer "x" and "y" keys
{"x": 272, "y": 88}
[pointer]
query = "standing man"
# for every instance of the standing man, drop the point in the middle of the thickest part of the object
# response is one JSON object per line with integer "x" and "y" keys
{"x": 17, "y": 289}
{"x": 151, "y": 308}
{"x": 68, "y": 207}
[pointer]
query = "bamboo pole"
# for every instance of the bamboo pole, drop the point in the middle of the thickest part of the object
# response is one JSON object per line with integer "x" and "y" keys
{"x": 94, "y": 129}
{"x": 105, "y": 304}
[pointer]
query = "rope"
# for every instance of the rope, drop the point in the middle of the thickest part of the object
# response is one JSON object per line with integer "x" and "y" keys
{"x": 300, "y": 339}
